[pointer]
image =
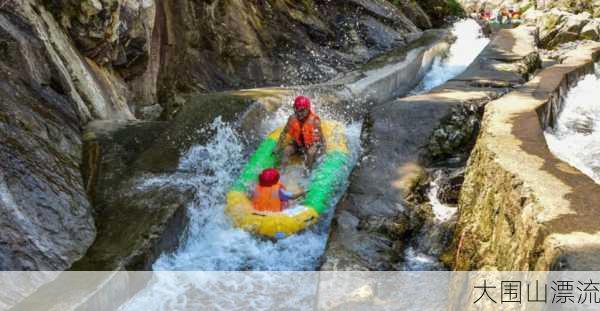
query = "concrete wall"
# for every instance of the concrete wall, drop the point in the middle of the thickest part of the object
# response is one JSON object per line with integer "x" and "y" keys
{"x": 372, "y": 220}
{"x": 521, "y": 208}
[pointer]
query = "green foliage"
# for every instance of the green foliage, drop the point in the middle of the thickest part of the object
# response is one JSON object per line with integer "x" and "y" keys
{"x": 526, "y": 7}
{"x": 455, "y": 8}
{"x": 436, "y": 8}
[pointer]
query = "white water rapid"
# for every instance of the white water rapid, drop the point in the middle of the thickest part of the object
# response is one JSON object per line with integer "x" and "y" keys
{"x": 212, "y": 244}
{"x": 470, "y": 41}
{"x": 575, "y": 137}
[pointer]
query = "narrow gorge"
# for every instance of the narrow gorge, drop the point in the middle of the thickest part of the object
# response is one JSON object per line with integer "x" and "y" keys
{"x": 124, "y": 123}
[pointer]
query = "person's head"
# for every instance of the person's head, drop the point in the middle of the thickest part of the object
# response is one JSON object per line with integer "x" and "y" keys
{"x": 268, "y": 177}
{"x": 301, "y": 107}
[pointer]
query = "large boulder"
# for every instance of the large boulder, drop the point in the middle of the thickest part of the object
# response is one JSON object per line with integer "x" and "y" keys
{"x": 557, "y": 27}
{"x": 591, "y": 31}
{"x": 46, "y": 217}
{"x": 573, "y": 6}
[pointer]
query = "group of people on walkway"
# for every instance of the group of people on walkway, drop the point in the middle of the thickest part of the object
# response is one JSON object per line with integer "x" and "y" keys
{"x": 502, "y": 15}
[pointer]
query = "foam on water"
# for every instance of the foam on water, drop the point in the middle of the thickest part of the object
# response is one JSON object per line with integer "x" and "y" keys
{"x": 212, "y": 243}
{"x": 470, "y": 41}
{"x": 420, "y": 261}
{"x": 575, "y": 137}
{"x": 442, "y": 211}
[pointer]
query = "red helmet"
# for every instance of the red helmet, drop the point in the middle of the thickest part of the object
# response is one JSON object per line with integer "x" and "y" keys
{"x": 301, "y": 102}
{"x": 268, "y": 177}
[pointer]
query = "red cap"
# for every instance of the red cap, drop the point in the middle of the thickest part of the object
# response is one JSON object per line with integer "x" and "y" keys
{"x": 301, "y": 102}
{"x": 268, "y": 177}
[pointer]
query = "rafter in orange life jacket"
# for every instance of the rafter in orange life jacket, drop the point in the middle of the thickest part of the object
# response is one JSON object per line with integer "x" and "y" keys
{"x": 266, "y": 198}
{"x": 305, "y": 133}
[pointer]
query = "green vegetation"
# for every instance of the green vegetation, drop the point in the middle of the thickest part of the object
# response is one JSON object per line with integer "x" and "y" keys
{"x": 436, "y": 8}
{"x": 551, "y": 21}
{"x": 455, "y": 8}
{"x": 526, "y": 7}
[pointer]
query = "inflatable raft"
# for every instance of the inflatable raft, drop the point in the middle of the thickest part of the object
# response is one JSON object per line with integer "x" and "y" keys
{"x": 330, "y": 172}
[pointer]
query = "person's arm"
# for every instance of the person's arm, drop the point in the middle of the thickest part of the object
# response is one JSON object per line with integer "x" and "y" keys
{"x": 285, "y": 195}
{"x": 320, "y": 130}
{"x": 282, "y": 137}
{"x": 299, "y": 194}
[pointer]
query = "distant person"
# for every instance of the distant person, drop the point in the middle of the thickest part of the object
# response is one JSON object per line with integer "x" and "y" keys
{"x": 508, "y": 15}
{"x": 488, "y": 15}
{"x": 270, "y": 194}
{"x": 516, "y": 13}
{"x": 500, "y": 14}
{"x": 303, "y": 130}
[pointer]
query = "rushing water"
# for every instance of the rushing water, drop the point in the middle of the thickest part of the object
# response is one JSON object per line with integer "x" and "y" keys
{"x": 442, "y": 211}
{"x": 470, "y": 41}
{"x": 423, "y": 254}
{"x": 213, "y": 244}
{"x": 575, "y": 137}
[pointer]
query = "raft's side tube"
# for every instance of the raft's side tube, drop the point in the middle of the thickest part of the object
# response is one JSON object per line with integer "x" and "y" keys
{"x": 331, "y": 171}
{"x": 261, "y": 159}
{"x": 326, "y": 177}
{"x": 325, "y": 180}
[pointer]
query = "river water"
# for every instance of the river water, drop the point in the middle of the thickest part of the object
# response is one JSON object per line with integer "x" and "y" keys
{"x": 213, "y": 244}
{"x": 575, "y": 137}
{"x": 470, "y": 41}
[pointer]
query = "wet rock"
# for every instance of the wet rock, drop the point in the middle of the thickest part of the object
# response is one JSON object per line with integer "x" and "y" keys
{"x": 136, "y": 223}
{"x": 450, "y": 187}
{"x": 96, "y": 91}
{"x": 591, "y": 31}
{"x": 394, "y": 228}
{"x": 46, "y": 218}
{"x": 455, "y": 134}
{"x": 416, "y": 13}
{"x": 379, "y": 35}
{"x": 136, "y": 227}
{"x": 132, "y": 55}
{"x": 113, "y": 32}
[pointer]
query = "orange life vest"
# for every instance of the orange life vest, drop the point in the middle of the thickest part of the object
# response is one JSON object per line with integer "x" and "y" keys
{"x": 305, "y": 133}
{"x": 266, "y": 199}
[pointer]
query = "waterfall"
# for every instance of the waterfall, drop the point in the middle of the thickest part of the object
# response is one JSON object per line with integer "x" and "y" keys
{"x": 575, "y": 138}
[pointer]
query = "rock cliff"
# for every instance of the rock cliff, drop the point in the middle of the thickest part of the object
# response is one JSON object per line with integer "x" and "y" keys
{"x": 67, "y": 63}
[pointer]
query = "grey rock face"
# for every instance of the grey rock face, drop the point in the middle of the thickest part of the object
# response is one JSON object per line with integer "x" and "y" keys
{"x": 558, "y": 27}
{"x": 591, "y": 31}
{"x": 45, "y": 216}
